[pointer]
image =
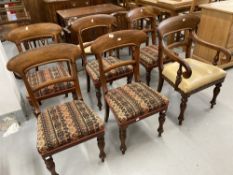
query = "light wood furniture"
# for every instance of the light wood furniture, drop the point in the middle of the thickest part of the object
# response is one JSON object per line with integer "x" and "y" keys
{"x": 187, "y": 75}
{"x": 172, "y": 7}
{"x": 216, "y": 27}
{"x": 61, "y": 126}
{"x": 132, "y": 102}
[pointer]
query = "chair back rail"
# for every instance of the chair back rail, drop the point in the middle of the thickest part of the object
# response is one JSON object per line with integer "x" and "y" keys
{"x": 34, "y": 35}
{"x": 144, "y": 18}
{"x": 115, "y": 40}
{"x": 91, "y": 22}
{"x": 54, "y": 53}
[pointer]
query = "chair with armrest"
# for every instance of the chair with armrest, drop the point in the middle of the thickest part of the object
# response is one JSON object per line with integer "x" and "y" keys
{"x": 188, "y": 75}
{"x": 144, "y": 18}
{"x": 64, "y": 125}
{"x": 92, "y": 67}
{"x": 35, "y": 36}
{"x": 134, "y": 101}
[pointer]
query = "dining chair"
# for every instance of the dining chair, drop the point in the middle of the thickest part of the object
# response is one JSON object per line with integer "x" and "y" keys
{"x": 92, "y": 67}
{"x": 185, "y": 74}
{"x": 144, "y": 18}
{"x": 35, "y": 36}
{"x": 59, "y": 126}
{"x": 134, "y": 101}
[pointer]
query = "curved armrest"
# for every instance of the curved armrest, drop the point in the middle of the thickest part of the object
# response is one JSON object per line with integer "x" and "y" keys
{"x": 188, "y": 71}
{"x": 214, "y": 47}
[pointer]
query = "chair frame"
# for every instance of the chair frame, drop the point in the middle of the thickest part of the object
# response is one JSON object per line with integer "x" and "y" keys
{"x": 148, "y": 14}
{"x": 90, "y": 22}
{"x": 124, "y": 38}
{"x": 189, "y": 24}
{"x": 29, "y": 34}
{"x": 33, "y": 35}
{"x": 46, "y": 55}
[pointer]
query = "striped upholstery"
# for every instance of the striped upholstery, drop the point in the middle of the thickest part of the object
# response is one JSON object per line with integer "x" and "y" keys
{"x": 134, "y": 100}
{"x": 62, "y": 124}
{"x": 93, "y": 69}
{"x": 37, "y": 77}
{"x": 149, "y": 56}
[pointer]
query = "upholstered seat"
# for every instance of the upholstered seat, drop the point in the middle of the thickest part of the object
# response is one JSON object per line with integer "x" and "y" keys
{"x": 202, "y": 74}
{"x": 149, "y": 55}
{"x": 37, "y": 77}
{"x": 64, "y": 123}
{"x": 93, "y": 69}
{"x": 134, "y": 100}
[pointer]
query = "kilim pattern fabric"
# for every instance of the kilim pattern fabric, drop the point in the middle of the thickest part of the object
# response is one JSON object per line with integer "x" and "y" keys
{"x": 149, "y": 56}
{"x": 37, "y": 77}
{"x": 93, "y": 69}
{"x": 62, "y": 124}
{"x": 134, "y": 100}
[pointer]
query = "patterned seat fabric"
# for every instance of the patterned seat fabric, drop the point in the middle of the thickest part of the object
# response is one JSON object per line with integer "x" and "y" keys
{"x": 149, "y": 56}
{"x": 65, "y": 123}
{"x": 134, "y": 100}
{"x": 37, "y": 77}
{"x": 93, "y": 69}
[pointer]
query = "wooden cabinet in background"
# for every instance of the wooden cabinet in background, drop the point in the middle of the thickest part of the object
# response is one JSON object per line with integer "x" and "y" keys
{"x": 51, "y": 6}
{"x": 216, "y": 27}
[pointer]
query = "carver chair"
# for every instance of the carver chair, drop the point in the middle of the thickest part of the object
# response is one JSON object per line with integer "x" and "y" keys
{"x": 92, "y": 67}
{"x": 63, "y": 125}
{"x": 35, "y": 36}
{"x": 144, "y": 18}
{"x": 134, "y": 101}
{"x": 188, "y": 75}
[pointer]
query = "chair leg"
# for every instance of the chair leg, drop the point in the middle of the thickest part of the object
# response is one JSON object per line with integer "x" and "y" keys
{"x": 88, "y": 83}
{"x": 215, "y": 94}
{"x": 122, "y": 134}
{"x": 50, "y": 165}
{"x": 98, "y": 95}
{"x": 160, "y": 86}
{"x": 74, "y": 96}
{"x": 101, "y": 144}
{"x": 183, "y": 106}
{"x": 162, "y": 119}
{"x": 129, "y": 79}
{"x": 106, "y": 112}
{"x": 148, "y": 77}
{"x": 118, "y": 53}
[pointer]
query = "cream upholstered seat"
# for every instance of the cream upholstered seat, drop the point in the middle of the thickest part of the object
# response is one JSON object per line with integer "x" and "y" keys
{"x": 202, "y": 74}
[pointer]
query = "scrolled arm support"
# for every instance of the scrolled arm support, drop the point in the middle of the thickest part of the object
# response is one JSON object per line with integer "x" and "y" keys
{"x": 219, "y": 49}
